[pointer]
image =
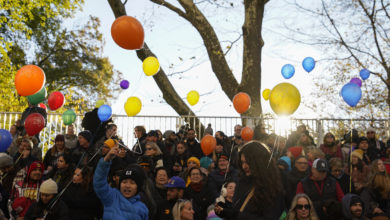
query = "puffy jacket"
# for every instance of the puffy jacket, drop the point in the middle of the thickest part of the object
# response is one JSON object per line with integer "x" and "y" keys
{"x": 116, "y": 206}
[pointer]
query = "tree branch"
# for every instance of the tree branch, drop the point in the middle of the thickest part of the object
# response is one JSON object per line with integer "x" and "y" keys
{"x": 171, "y": 7}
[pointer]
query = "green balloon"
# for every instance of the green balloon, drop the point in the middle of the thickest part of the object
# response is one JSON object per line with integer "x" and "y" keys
{"x": 69, "y": 116}
{"x": 37, "y": 97}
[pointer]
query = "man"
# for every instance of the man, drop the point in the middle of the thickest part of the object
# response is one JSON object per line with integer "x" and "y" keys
{"x": 175, "y": 187}
{"x": 193, "y": 145}
{"x": 170, "y": 141}
{"x": 84, "y": 150}
{"x": 70, "y": 138}
{"x": 123, "y": 202}
{"x": 38, "y": 210}
{"x": 353, "y": 207}
{"x": 140, "y": 135}
{"x": 362, "y": 144}
{"x": 27, "y": 191}
{"x": 376, "y": 148}
{"x": 223, "y": 173}
{"x": 320, "y": 188}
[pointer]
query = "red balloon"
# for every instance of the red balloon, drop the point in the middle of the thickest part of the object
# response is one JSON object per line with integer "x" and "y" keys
{"x": 128, "y": 33}
{"x": 41, "y": 105}
{"x": 247, "y": 133}
{"x": 34, "y": 123}
{"x": 56, "y": 100}
{"x": 241, "y": 102}
{"x": 208, "y": 144}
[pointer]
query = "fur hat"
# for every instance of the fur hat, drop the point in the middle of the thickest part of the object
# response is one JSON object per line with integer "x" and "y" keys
{"x": 49, "y": 187}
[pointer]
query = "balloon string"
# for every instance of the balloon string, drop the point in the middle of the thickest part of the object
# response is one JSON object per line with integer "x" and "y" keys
{"x": 272, "y": 152}
{"x": 350, "y": 159}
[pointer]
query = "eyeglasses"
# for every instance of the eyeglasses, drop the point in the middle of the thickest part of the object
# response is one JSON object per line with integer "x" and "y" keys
{"x": 300, "y": 207}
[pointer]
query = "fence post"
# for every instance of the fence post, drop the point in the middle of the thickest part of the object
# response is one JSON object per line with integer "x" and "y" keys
{"x": 319, "y": 132}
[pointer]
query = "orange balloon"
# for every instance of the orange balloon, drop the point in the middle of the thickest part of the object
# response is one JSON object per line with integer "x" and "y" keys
{"x": 29, "y": 80}
{"x": 208, "y": 144}
{"x": 241, "y": 102}
{"x": 128, "y": 33}
{"x": 247, "y": 133}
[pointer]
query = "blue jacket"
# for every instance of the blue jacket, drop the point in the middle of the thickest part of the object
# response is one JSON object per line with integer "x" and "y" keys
{"x": 116, "y": 206}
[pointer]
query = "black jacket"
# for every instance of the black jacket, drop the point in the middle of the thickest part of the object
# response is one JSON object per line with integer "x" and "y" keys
{"x": 200, "y": 200}
{"x": 194, "y": 149}
{"x": 164, "y": 210}
{"x": 58, "y": 212}
{"x": 216, "y": 179}
{"x": 293, "y": 179}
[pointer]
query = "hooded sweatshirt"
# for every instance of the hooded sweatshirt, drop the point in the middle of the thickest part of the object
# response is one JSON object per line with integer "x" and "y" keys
{"x": 346, "y": 206}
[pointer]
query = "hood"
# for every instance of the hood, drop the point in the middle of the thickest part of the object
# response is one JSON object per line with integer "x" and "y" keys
{"x": 346, "y": 206}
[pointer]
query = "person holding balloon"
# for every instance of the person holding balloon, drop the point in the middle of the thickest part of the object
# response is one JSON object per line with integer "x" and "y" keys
{"x": 23, "y": 158}
{"x": 33, "y": 108}
{"x": 51, "y": 156}
{"x": 84, "y": 150}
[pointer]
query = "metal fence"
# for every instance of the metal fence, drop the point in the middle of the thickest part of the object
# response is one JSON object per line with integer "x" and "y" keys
{"x": 280, "y": 126}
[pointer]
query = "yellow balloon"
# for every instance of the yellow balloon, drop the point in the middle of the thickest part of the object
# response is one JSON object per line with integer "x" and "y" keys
{"x": 99, "y": 103}
{"x": 284, "y": 99}
{"x": 133, "y": 106}
{"x": 151, "y": 66}
{"x": 266, "y": 93}
{"x": 193, "y": 97}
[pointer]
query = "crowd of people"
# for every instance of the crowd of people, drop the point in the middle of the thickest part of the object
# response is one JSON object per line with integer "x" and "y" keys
{"x": 165, "y": 175}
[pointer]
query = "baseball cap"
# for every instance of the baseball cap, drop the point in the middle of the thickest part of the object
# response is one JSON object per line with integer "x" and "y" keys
{"x": 321, "y": 165}
{"x": 176, "y": 182}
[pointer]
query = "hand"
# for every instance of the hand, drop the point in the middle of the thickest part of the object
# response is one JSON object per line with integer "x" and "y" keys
{"x": 218, "y": 209}
{"x": 377, "y": 211}
{"x": 26, "y": 153}
{"x": 49, "y": 168}
{"x": 112, "y": 153}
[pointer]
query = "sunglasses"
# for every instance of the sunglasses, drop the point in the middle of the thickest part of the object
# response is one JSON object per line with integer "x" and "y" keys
{"x": 300, "y": 207}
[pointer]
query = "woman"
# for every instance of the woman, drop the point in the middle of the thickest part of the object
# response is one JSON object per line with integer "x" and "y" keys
{"x": 336, "y": 171}
{"x": 161, "y": 179}
{"x": 224, "y": 206}
{"x": 63, "y": 171}
{"x": 301, "y": 209}
{"x": 191, "y": 162}
{"x": 80, "y": 197}
{"x": 154, "y": 152}
{"x": 376, "y": 196}
{"x": 313, "y": 154}
{"x": 306, "y": 142}
{"x": 52, "y": 154}
{"x": 181, "y": 154}
{"x": 377, "y": 167}
{"x": 330, "y": 147}
{"x": 182, "y": 210}
{"x": 199, "y": 193}
{"x": 360, "y": 170}
{"x": 219, "y": 149}
{"x": 259, "y": 192}
{"x": 299, "y": 170}
{"x": 219, "y": 135}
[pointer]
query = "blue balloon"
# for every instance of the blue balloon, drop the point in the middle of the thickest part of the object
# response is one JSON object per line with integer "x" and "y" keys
{"x": 288, "y": 71}
{"x": 308, "y": 64}
{"x": 104, "y": 113}
{"x": 5, "y": 140}
{"x": 351, "y": 94}
{"x": 364, "y": 74}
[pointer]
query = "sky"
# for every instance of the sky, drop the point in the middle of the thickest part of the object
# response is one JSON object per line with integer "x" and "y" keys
{"x": 172, "y": 38}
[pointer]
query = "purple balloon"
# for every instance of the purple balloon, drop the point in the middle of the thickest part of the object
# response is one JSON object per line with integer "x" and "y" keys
{"x": 124, "y": 84}
{"x": 357, "y": 81}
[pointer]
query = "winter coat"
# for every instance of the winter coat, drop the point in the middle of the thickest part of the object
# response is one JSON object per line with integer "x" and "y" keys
{"x": 346, "y": 207}
{"x": 358, "y": 177}
{"x": 164, "y": 210}
{"x": 50, "y": 159}
{"x": 116, "y": 206}
{"x": 329, "y": 153}
{"x": 372, "y": 199}
{"x": 194, "y": 149}
{"x": 344, "y": 182}
{"x": 201, "y": 199}
{"x": 217, "y": 178}
{"x": 227, "y": 209}
{"x": 58, "y": 212}
{"x": 70, "y": 141}
{"x": 293, "y": 178}
{"x": 81, "y": 156}
{"x": 82, "y": 204}
{"x": 61, "y": 176}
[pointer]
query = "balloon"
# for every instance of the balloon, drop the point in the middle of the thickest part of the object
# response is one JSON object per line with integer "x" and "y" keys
{"x": 288, "y": 71}
{"x": 208, "y": 144}
{"x": 37, "y": 97}
{"x": 34, "y": 123}
{"x": 266, "y": 93}
{"x": 124, "y": 84}
{"x": 357, "y": 81}
{"x": 150, "y": 66}
{"x": 351, "y": 94}
{"x": 99, "y": 103}
{"x": 56, "y": 100}
{"x": 41, "y": 105}
{"x": 29, "y": 80}
{"x": 241, "y": 102}
{"x": 104, "y": 113}
{"x": 5, "y": 140}
{"x": 68, "y": 117}
{"x": 128, "y": 33}
{"x": 364, "y": 74}
{"x": 193, "y": 97}
{"x": 284, "y": 99}
{"x": 247, "y": 133}
{"x": 133, "y": 106}
{"x": 308, "y": 64}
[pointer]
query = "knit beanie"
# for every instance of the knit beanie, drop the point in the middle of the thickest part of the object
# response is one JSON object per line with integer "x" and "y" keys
{"x": 59, "y": 137}
{"x": 135, "y": 173}
{"x": 194, "y": 159}
{"x": 287, "y": 160}
{"x": 205, "y": 162}
{"x": 110, "y": 143}
{"x": 358, "y": 153}
{"x": 49, "y": 187}
{"x": 86, "y": 134}
{"x": 5, "y": 160}
{"x": 36, "y": 165}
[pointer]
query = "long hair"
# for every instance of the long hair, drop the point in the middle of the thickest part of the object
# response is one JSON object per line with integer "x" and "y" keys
{"x": 381, "y": 184}
{"x": 292, "y": 214}
{"x": 176, "y": 210}
{"x": 374, "y": 169}
{"x": 267, "y": 182}
{"x": 155, "y": 147}
{"x": 86, "y": 173}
